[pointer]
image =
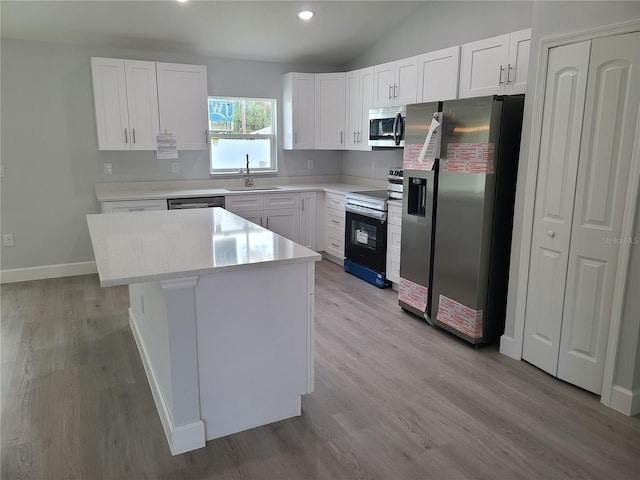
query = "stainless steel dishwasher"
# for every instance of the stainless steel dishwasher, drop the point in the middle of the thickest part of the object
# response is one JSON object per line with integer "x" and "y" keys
{"x": 195, "y": 202}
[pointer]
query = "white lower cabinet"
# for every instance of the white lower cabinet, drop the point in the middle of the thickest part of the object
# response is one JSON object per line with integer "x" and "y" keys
{"x": 278, "y": 212}
{"x": 134, "y": 205}
{"x": 394, "y": 232}
{"x": 334, "y": 225}
{"x": 308, "y": 220}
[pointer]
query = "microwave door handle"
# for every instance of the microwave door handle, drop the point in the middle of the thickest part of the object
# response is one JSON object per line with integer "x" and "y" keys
{"x": 398, "y": 128}
{"x": 395, "y": 126}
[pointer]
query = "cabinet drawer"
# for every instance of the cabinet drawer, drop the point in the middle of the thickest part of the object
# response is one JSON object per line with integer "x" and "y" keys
{"x": 133, "y": 206}
{"x": 335, "y": 244}
{"x": 394, "y": 213}
{"x": 281, "y": 200}
{"x": 335, "y": 218}
{"x": 243, "y": 203}
{"x": 335, "y": 200}
{"x": 393, "y": 239}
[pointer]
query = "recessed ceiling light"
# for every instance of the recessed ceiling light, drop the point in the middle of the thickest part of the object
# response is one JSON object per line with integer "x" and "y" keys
{"x": 305, "y": 15}
{"x": 182, "y": 1}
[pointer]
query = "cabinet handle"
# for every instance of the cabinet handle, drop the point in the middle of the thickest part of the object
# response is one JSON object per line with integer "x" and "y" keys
{"x": 267, "y": 223}
{"x": 133, "y": 134}
{"x": 341, "y": 137}
{"x": 126, "y": 138}
{"x": 335, "y": 221}
{"x": 295, "y": 138}
{"x": 206, "y": 137}
{"x": 395, "y": 87}
{"x": 500, "y": 82}
{"x": 303, "y": 204}
{"x": 354, "y": 137}
{"x": 334, "y": 245}
{"x": 509, "y": 68}
{"x": 139, "y": 209}
{"x": 359, "y": 137}
{"x": 389, "y": 91}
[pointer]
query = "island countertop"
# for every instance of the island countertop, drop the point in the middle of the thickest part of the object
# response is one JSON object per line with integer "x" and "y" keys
{"x": 158, "y": 245}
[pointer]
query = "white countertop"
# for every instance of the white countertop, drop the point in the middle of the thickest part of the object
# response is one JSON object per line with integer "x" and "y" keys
{"x": 106, "y": 192}
{"x": 158, "y": 245}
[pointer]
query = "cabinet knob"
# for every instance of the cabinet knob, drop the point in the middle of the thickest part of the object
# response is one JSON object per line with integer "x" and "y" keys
{"x": 551, "y": 233}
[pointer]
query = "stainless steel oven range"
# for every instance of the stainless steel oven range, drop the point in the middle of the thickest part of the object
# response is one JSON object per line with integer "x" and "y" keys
{"x": 366, "y": 236}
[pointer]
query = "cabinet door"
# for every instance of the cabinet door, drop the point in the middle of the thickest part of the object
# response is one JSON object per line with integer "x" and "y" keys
{"x": 244, "y": 203}
{"x": 438, "y": 75}
{"x": 329, "y": 111}
{"x": 354, "y": 111}
{"x": 285, "y": 222}
{"x": 383, "y": 80}
{"x": 308, "y": 220}
{"x": 553, "y": 210}
{"x": 366, "y": 103}
{"x": 281, "y": 200}
{"x": 518, "y": 65}
{"x": 405, "y": 88}
{"x": 182, "y": 100}
{"x": 299, "y": 111}
{"x": 110, "y": 98}
{"x": 142, "y": 103}
{"x": 483, "y": 66}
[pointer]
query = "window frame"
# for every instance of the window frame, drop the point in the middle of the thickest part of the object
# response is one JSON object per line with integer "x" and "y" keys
{"x": 234, "y": 172}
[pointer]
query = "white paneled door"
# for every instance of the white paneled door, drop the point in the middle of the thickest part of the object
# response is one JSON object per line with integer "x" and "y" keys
{"x": 590, "y": 111}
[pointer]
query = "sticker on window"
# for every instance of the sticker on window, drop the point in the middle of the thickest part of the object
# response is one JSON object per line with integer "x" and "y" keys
{"x": 362, "y": 236}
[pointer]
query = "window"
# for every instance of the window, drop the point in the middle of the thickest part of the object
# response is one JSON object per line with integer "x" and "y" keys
{"x": 239, "y": 127}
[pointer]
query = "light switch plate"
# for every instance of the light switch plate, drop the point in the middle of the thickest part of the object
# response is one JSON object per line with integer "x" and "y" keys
{"x": 7, "y": 240}
{"x": 108, "y": 169}
{"x": 310, "y": 164}
{"x": 175, "y": 167}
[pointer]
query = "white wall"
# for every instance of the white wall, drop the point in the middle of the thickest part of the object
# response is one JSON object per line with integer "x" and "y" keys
{"x": 49, "y": 144}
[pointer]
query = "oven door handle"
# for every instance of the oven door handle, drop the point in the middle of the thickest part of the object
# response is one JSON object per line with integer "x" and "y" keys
{"x": 365, "y": 212}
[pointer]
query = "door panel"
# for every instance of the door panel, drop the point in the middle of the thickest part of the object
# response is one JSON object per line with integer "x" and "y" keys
{"x": 603, "y": 176}
{"x": 558, "y": 159}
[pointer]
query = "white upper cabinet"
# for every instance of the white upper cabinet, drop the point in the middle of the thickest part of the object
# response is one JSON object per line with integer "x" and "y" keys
{"x": 518, "y": 65}
{"x": 126, "y": 103}
{"x": 359, "y": 99}
{"x": 438, "y": 75}
{"x": 395, "y": 83}
{"x": 329, "y": 111}
{"x": 298, "y": 112}
{"x": 496, "y": 65}
{"x": 182, "y": 100}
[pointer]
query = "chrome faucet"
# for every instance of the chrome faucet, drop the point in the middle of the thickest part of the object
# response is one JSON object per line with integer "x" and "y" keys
{"x": 248, "y": 179}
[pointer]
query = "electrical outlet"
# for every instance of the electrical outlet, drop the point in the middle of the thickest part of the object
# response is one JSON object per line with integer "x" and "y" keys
{"x": 1, "y": 170}
{"x": 310, "y": 164}
{"x": 373, "y": 165}
{"x": 175, "y": 167}
{"x": 108, "y": 168}
{"x": 7, "y": 240}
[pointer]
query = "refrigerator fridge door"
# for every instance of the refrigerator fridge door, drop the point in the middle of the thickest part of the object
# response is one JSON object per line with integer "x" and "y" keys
{"x": 476, "y": 186}
{"x": 418, "y": 205}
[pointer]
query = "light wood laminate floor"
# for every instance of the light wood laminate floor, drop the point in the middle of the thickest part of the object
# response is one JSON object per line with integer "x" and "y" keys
{"x": 394, "y": 399}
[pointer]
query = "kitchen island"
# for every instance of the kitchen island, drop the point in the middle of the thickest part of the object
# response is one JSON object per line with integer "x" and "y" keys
{"x": 222, "y": 313}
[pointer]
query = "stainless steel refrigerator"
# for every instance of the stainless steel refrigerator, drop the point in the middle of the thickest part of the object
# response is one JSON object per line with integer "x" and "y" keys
{"x": 480, "y": 143}
{"x": 420, "y": 176}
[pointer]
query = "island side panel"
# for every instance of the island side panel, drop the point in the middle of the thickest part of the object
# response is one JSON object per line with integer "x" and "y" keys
{"x": 162, "y": 318}
{"x": 254, "y": 330}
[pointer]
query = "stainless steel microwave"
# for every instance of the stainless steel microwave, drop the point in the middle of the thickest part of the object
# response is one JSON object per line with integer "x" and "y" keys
{"x": 386, "y": 126}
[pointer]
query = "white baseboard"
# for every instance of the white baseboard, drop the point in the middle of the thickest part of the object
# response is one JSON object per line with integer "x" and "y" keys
{"x": 183, "y": 438}
{"x": 47, "y": 271}
{"x": 508, "y": 347}
{"x": 625, "y": 401}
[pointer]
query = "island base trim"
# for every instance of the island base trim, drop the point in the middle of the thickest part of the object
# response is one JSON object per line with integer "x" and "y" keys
{"x": 182, "y": 438}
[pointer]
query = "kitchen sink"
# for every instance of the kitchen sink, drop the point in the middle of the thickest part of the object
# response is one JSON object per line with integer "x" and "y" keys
{"x": 246, "y": 189}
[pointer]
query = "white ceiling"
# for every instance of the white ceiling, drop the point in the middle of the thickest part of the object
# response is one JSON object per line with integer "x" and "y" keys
{"x": 253, "y": 30}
